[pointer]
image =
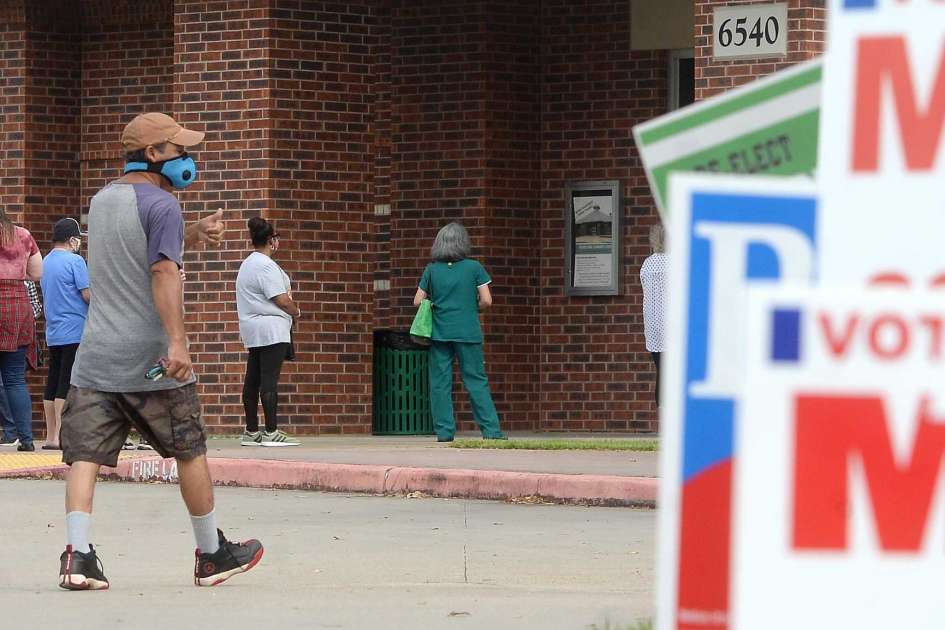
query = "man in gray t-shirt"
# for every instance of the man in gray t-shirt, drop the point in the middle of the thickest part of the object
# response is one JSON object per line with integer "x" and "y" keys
{"x": 135, "y": 229}
{"x": 136, "y": 240}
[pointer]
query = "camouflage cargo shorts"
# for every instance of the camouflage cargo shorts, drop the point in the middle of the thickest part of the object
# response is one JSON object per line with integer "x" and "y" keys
{"x": 95, "y": 424}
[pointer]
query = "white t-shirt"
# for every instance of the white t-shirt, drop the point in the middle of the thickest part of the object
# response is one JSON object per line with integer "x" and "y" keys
{"x": 262, "y": 323}
{"x": 653, "y": 278}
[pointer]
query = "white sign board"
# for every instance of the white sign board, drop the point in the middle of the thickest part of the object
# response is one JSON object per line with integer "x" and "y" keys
{"x": 726, "y": 233}
{"x": 839, "y": 506}
{"x": 881, "y": 142}
{"x": 749, "y": 31}
{"x": 766, "y": 127}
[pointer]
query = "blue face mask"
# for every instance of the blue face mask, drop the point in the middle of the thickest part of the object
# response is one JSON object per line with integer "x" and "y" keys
{"x": 180, "y": 171}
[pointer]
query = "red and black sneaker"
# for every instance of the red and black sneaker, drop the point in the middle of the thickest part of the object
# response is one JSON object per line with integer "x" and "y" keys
{"x": 81, "y": 571}
{"x": 231, "y": 558}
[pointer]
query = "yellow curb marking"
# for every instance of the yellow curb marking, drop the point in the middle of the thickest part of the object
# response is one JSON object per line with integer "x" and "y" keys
{"x": 21, "y": 461}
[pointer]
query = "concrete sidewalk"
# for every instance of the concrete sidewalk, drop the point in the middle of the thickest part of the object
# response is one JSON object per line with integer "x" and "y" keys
{"x": 426, "y": 452}
{"x": 406, "y": 465}
{"x": 332, "y": 561}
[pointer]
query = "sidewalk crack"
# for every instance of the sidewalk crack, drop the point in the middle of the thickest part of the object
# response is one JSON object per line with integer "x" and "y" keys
{"x": 465, "y": 548}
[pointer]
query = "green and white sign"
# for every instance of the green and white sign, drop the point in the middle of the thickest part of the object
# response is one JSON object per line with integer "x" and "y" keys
{"x": 769, "y": 126}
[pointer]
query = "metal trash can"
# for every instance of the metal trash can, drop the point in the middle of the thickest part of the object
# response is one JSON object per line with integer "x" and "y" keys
{"x": 401, "y": 385}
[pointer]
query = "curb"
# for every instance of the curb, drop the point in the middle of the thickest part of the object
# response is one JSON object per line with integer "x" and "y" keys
{"x": 437, "y": 482}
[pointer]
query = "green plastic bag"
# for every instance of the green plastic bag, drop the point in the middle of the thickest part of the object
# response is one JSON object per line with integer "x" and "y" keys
{"x": 422, "y": 328}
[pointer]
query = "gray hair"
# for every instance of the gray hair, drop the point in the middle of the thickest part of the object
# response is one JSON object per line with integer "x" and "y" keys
{"x": 452, "y": 244}
{"x": 657, "y": 237}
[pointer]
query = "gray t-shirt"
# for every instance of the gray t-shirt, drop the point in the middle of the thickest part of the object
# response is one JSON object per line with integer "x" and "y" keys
{"x": 131, "y": 227}
{"x": 262, "y": 323}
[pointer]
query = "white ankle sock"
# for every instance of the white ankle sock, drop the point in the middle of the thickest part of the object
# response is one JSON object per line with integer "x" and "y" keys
{"x": 77, "y": 530}
{"x": 205, "y": 532}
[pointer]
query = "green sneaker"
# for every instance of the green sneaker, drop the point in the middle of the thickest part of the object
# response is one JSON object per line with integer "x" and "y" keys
{"x": 278, "y": 438}
{"x": 251, "y": 438}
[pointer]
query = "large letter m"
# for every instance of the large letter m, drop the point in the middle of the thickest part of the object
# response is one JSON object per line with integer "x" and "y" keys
{"x": 829, "y": 432}
{"x": 881, "y": 61}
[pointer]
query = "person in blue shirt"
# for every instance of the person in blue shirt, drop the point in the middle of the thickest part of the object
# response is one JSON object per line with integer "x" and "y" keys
{"x": 66, "y": 297}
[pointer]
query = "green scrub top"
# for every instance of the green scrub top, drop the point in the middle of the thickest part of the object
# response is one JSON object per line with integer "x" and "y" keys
{"x": 454, "y": 289}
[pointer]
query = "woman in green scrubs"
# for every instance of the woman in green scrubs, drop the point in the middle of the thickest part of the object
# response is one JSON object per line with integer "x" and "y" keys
{"x": 458, "y": 287}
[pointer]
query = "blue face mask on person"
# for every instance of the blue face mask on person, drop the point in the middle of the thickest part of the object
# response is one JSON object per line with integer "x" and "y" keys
{"x": 180, "y": 171}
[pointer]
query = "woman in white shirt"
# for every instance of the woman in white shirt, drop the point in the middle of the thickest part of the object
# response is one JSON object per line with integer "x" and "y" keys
{"x": 265, "y": 306}
{"x": 654, "y": 279}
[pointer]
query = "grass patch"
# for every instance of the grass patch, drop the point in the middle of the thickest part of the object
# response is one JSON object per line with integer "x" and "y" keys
{"x": 562, "y": 444}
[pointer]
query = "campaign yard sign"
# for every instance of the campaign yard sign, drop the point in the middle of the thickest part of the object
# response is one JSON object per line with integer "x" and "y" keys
{"x": 877, "y": 218}
{"x": 726, "y": 233}
{"x": 839, "y": 503}
{"x": 882, "y": 133}
{"x": 767, "y": 127}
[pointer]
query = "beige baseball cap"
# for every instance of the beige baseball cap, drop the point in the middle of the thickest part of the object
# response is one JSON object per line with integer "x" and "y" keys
{"x": 152, "y": 129}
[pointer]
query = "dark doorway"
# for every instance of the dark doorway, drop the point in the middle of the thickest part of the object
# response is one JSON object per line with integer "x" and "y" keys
{"x": 682, "y": 78}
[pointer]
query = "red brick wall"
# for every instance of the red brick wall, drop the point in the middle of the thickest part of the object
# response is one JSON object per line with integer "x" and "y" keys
{"x": 437, "y": 163}
{"x": 437, "y": 146}
{"x": 87, "y": 68}
{"x": 316, "y": 114}
{"x": 52, "y": 139}
{"x": 221, "y": 61}
{"x": 512, "y": 104}
{"x": 127, "y": 53}
{"x": 51, "y": 142}
{"x": 14, "y": 122}
{"x": 12, "y": 108}
{"x": 322, "y": 151}
{"x": 381, "y": 128}
{"x": 465, "y": 147}
{"x": 595, "y": 371}
{"x": 806, "y": 24}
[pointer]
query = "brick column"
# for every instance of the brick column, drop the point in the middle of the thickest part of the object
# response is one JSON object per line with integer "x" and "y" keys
{"x": 221, "y": 85}
{"x": 322, "y": 159}
{"x": 381, "y": 115}
{"x": 13, "y": 108}
{"x": 283, "y": 90}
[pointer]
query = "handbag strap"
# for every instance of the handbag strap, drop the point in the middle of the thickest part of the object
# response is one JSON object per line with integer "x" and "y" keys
{"x": 430, "y": 292}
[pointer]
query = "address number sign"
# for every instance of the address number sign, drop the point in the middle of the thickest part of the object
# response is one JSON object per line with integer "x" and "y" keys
{"x": 750, "y": 31}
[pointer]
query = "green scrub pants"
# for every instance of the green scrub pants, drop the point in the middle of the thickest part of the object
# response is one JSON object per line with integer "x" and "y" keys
{"x": 472, "y": 368}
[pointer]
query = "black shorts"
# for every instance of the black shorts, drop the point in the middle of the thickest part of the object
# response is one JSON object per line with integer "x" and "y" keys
{"x": 61, "y": 359}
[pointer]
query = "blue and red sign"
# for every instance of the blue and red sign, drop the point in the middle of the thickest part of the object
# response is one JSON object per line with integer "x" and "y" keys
{"x": 731, "y": 239}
